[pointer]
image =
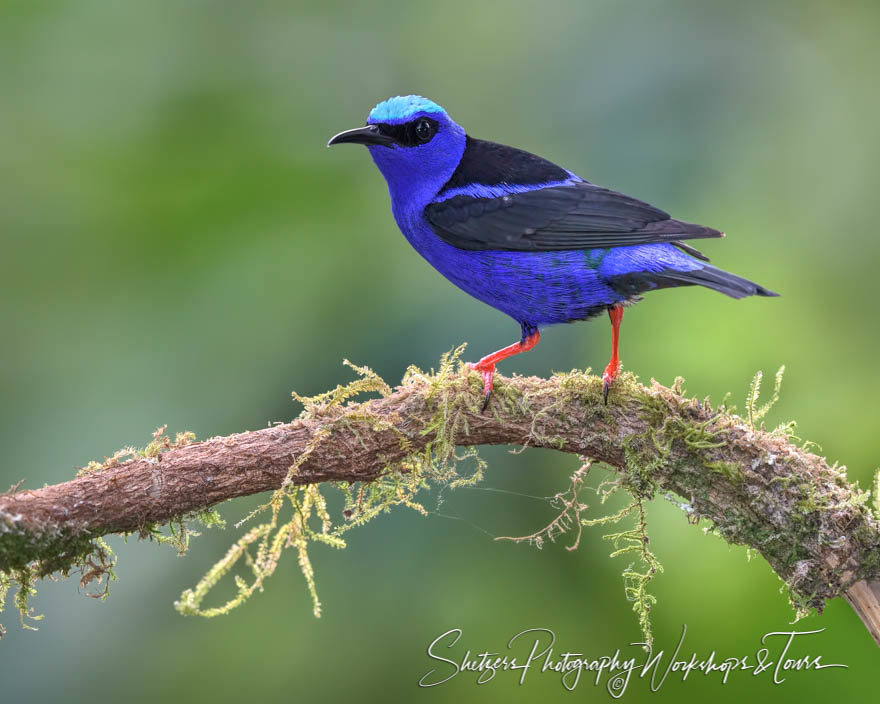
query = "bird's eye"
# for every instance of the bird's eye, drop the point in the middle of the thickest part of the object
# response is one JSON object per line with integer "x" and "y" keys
{"x": 424, "y": 130}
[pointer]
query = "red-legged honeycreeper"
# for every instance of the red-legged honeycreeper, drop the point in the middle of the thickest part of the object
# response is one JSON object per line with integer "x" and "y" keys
{"x": 524, "y": 235}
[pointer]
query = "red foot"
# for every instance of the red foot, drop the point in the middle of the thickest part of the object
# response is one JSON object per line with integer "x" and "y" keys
{"x": 608, "y": 378}
{"x": 486, "y": 366}
{"x": 488, "y": 374}
{"x": 613, "y": 368}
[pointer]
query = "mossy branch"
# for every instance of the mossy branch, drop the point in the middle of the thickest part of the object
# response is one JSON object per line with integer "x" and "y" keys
{"x": 758, "y": 488}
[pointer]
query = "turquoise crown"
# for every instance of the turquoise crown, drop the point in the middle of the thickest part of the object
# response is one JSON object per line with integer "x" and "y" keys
{"x": 402, "y": 108}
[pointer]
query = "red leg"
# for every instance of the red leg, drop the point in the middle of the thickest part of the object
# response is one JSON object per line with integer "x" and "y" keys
{"x": 611, "y": 371}
{"x": 486, "y": 366}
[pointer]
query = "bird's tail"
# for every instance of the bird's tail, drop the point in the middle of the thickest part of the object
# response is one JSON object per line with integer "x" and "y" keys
{"x": 716, "y": 279}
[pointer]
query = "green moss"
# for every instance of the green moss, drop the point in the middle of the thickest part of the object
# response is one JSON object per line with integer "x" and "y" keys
{"x": 678, "y": 448}
{"x": 509, "y": 397}
{"x": 29, "y": 552}
{"x": 180, "y": 530}
{"x": 876, "y": 503}
{"x": 399, "y": 483}
{"x": 633, "y": 542}
{"x": 159, "y": 443}
{"x": 754, "y": 413}
{"x": 733, "y": 473}
{"x": 50, "y": 548}
{"x": 28, "y": 555}
{"x": 641, "y": 461}
{"x": 810, "y": 500}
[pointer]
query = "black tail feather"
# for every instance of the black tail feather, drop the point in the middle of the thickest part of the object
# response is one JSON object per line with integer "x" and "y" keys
{"x": 714, "y": 278}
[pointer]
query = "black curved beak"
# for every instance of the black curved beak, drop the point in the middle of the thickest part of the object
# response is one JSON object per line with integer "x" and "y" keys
{"x": 371, "y": 134}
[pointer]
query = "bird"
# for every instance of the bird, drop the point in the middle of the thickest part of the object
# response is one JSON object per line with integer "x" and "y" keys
{"x": 529, "y": 238}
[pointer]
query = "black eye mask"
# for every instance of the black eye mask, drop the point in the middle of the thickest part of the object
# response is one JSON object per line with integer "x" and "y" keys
{"x": 409, "y": 134}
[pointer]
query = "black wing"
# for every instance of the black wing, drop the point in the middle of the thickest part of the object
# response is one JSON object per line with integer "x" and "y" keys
{"x": 577, "y": 216}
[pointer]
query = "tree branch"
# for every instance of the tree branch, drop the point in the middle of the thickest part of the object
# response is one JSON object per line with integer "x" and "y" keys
{"x": 758, "y": 488}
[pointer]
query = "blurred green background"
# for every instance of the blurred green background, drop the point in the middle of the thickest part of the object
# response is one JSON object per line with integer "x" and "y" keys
{"x": 177, "y": 246}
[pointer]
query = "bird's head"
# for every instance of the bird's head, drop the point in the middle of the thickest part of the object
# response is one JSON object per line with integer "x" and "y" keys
{"x": 415, "y": 144}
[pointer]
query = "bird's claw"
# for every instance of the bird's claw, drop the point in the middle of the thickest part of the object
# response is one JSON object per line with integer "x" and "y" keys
{"x": 607, "y": 379}
{"x": 488, "y": 374}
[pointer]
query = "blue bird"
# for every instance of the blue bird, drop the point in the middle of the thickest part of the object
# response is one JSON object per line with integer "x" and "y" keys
{"x": 524, "y": 235}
